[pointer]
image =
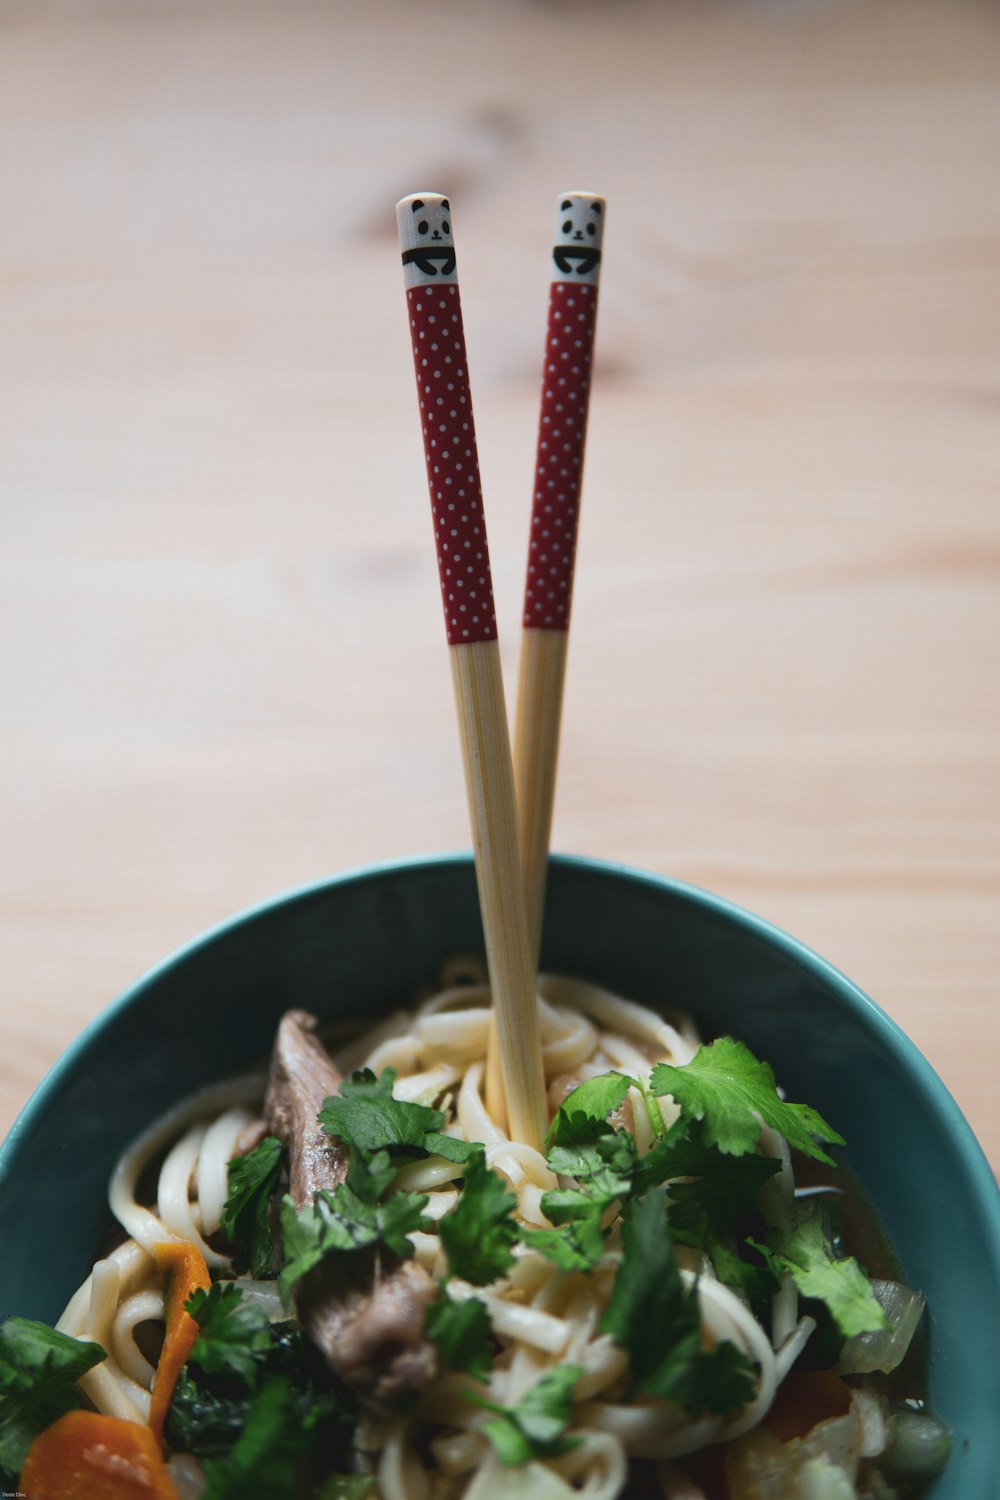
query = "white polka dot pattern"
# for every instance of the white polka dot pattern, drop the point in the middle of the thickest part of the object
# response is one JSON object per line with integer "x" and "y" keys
{"x": 452, "y": 463}
{"x": 562, "y": 432}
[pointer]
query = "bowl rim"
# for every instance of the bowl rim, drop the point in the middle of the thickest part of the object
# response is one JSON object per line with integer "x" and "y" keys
{"x": 933, "y": 1091}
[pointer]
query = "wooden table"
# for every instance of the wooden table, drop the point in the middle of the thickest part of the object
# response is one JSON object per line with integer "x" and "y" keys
{"x": 223, "y": 666}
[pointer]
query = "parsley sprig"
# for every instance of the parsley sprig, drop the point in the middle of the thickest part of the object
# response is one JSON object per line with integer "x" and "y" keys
{"x": 368, "y": 1118}
{"x": 382, "y": 1133}
{"x": 462, "y": 1332}
{"x": 351, "y": 1217}
{"x": 534, "y": 1427}
{"x": 655, "y": 1317}
{"x": 39, "y": 1369}
{"x": 254, "y": 1394}
{"x": 245, "y": 1219}
{"x": 725, "y": 1086}
{"x": 479, "y": 1233}
{"x": 806, "y": 1252}
{"x": 708, "y": 1190}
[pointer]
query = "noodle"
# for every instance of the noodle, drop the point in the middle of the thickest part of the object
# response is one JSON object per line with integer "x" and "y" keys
{"x": 540, "y": 1315}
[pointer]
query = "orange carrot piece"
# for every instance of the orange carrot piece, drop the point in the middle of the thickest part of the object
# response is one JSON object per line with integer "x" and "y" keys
{"x": 86, "y": 1455}
{"x": 186, "y": 1272}
{"x": 805, "y": 1398}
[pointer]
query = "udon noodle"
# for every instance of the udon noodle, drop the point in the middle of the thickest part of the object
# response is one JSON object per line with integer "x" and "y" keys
{"x": 541, "y": 1316}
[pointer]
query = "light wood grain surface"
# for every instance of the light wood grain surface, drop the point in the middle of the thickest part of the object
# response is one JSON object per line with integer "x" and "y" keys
{"x": 223, "y": 667}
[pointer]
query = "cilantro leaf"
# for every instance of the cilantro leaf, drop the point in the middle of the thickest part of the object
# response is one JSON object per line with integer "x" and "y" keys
{"x": 655, "y": 1317}
{"x": 238, "y": 1353}
{"x": 450, "y": 1147}
{"x": 726, "y": 1086}
{"x": 461, "y": 1331}
{"x": 724, "y": 1188}
{"x": 587, "y": 1106}
{"x": 367, "y": 1118}
{"x": 351, "y": 1217}
{"x": 245, "y": 1221}
{"x": 478, "y": 1233}
{"x": 720, "y": 1380}
{"x": 574, "y": 1246}
{"x": 39, "y": 1369}
{"x": 753, "y": 1280}
{"x": 534, "y": 1427}
{"x": 604, "y": 1171}
{"x": 603, "y": 1167}
{"x": 232, "y": 1331}
{"x": 267, "y": 1456}
{"x": 806, "y": 1253}
{"x": 606, "y": 1164}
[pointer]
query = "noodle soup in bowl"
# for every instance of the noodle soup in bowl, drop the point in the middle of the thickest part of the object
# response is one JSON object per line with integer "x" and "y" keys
{"x": 362, "y": 945}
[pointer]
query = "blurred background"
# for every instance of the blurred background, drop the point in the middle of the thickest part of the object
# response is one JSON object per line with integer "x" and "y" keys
{"x": 223, "y": 666}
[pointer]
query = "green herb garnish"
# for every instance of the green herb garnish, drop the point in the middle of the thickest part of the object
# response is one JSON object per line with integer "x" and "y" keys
{"x": 461, "y": 1331}
{"x": 534, "y": 1427}
{"x": 350, "y": 1217}
{"x": 725, "y": 1086}
{"x": 267, "y": 1457}
{"x": 39, "y": 1369}
{"x": 655, "y": 1317}
{"x": 479, "y": 1232}
{"x": 234, "y": 1332}
{"x": 806, "y": 1253}
{"x": 367, "y": 1118}
{"x": 582, "y": 1112}
{"x": 238, "y": 1354}
{"x": 245, "y": 1221}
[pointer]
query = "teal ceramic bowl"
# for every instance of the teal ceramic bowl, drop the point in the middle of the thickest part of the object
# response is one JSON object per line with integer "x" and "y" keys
{"x": 358, "y": 944}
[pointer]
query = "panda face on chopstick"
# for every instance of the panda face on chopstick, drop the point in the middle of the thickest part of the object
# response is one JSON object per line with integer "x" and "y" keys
{"x": 426, "y": 237}
{"x": 579, "y": 231}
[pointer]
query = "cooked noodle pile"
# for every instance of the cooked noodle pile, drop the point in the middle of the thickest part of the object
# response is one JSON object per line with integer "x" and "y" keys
{"x": 541, "y": 1316}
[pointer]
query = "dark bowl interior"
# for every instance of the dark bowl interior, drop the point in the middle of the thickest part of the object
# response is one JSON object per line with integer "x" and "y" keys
{"x": 358, "y": 944}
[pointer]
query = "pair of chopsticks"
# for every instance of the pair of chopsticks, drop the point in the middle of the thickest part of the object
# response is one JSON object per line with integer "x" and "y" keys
{"x": 510, "y": 799}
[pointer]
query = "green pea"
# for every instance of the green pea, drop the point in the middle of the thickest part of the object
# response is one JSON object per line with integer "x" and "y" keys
{"x": 918, "y": 1447}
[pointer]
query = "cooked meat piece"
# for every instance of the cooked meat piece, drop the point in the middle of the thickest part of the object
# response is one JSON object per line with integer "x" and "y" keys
{"x": 365, "y": 1317}
{"x": 372, "y": 1335}
{"x": 250, "y": 1137}
{"x": 302, "y": 1077}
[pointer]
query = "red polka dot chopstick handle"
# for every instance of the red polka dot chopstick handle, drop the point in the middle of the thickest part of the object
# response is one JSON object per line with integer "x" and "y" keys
{"x": 435, "y": 315}
{"x": 562, "y": 432}
{"x": 442, "y": 372}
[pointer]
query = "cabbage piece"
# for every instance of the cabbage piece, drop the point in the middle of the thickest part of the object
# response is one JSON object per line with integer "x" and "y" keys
{"x": 871, "y": 1422}
{"x": 883, "y": 1349}
{"x": 824, "y": 1481}
{"x": 760, "y": 1467}
{"x": 266, "y": 1298}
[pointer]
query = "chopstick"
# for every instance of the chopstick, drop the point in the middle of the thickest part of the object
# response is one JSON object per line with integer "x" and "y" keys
{"x": 439, "y": 359}
{"x": 562, "y": 432}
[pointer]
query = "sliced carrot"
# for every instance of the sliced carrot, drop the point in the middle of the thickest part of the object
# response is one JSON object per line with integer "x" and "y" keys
{"x": 805, "y": 1398}
{"x": 186, "y": 1272}
{"x": 86, "y": 1455}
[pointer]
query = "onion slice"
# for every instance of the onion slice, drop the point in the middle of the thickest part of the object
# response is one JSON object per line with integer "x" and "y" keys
{"x": 884, "y": 1349}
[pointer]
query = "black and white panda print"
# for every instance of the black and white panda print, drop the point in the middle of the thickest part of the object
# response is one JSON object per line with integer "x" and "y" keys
{"x": 428, "y": 246}
{"x": 579, "y": 231}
